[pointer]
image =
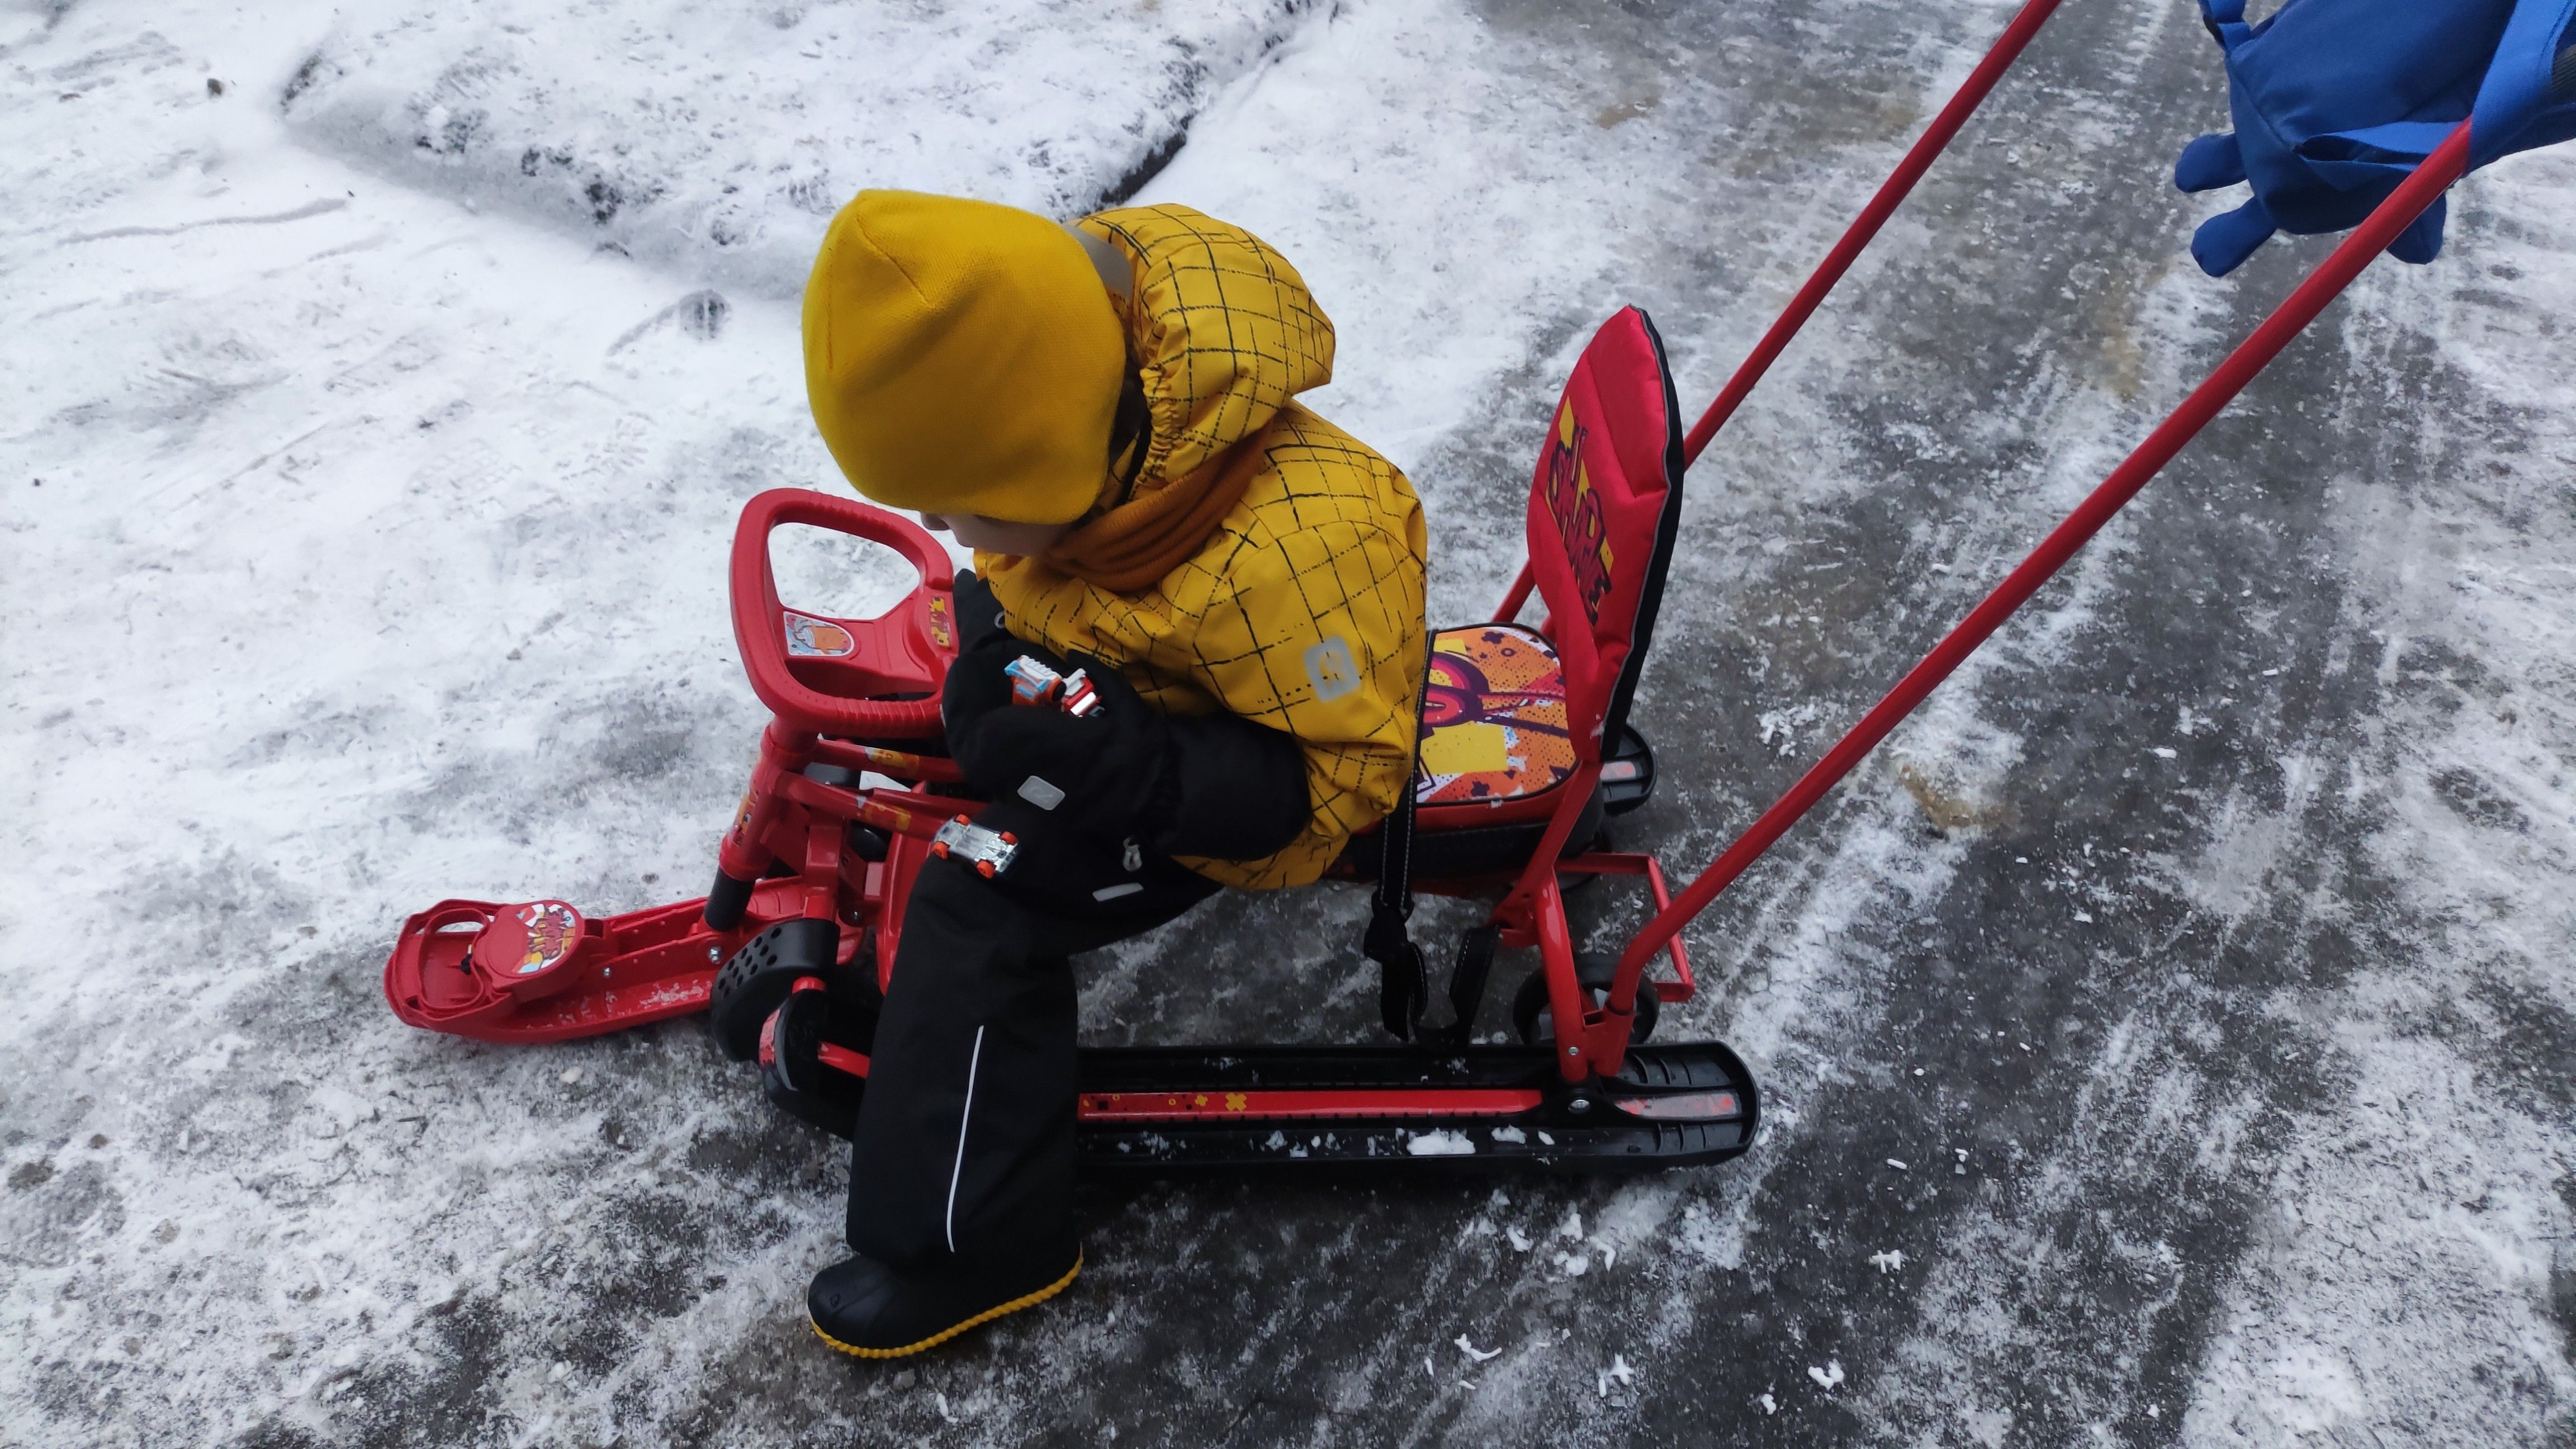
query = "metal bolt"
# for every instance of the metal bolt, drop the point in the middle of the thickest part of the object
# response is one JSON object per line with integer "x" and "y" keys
{"x": 607, "y": 971}
{"x": 1574, "y": 1051}
{"x": 713, "y": 954}
{"x": 1579, "y": 1104}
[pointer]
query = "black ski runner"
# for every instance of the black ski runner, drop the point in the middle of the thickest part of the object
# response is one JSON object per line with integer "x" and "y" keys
{"x": 1174, "y": 1109}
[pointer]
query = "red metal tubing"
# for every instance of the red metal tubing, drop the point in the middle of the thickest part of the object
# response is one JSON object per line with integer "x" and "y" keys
{"x": 2438, "y": 171}
{"x": 900, "y": 764}
{"x": 1891, "y": 194}
{"x": 1515, "y": 596}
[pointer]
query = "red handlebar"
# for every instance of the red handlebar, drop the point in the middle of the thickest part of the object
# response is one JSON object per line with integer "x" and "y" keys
{"x": 816, "y": 673}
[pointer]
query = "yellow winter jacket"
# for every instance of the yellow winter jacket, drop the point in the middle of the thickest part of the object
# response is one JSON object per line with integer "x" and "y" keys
{"x": 1304, "y": 611}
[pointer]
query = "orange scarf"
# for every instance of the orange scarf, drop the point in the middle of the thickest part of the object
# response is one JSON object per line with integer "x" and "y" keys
{"x": 1130, "y": 547}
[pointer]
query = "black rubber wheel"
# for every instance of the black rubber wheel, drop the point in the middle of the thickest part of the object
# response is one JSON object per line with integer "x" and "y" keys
{"x": 1635, "y": 784}
{"x": 760, "y": 975}
{"x": 794, "y": 1079}
{"x": 1594, "y": 969}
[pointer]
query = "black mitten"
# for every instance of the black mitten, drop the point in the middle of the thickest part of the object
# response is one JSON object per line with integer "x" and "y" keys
{"x": 1096, "y": 772}
{"x": 976, "y": 685}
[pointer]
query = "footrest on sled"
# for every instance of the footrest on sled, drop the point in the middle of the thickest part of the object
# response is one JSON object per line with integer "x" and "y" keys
{"x": 1161, "y": 1110}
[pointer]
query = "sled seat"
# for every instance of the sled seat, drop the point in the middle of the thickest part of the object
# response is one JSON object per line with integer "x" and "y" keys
{"x": 1512, "y": 713}
{"x": 1494, "y": 721}
{"x": 1500, "y": 685}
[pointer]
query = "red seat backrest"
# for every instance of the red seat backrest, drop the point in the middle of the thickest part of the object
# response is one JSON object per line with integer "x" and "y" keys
{"x": 1603, "y": 511}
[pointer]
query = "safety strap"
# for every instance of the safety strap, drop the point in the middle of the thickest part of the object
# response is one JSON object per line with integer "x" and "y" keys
{"x": 1403, "y": 987}
{"x": 1467, "y": 974}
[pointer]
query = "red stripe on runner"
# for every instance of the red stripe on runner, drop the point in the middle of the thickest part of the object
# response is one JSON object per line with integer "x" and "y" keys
{"x": 1308, "y": 1104}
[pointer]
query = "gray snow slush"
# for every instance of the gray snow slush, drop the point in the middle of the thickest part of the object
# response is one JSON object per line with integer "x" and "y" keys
{"x": 2171, "y": 1033}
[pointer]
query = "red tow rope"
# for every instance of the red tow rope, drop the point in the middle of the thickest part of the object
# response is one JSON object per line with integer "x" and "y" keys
{"x": 2446, "y": 165}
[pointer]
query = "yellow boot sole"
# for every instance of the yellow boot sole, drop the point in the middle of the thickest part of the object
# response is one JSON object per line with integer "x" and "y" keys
{"x": 942, "y": 1336}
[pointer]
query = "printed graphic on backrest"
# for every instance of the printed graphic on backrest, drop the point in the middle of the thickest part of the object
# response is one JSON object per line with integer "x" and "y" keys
{"x": 1577, "y": 511}
{"x": 1604, "y": 506}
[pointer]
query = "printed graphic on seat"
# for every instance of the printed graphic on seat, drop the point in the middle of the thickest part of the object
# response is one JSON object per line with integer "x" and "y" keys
{"x": 1494, "y": 718}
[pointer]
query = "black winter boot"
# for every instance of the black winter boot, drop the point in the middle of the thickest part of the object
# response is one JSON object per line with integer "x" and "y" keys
{"x": 869, "y": 1310}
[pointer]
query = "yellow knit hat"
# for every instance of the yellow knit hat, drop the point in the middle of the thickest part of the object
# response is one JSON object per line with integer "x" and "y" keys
{"x": 962, "y": 357}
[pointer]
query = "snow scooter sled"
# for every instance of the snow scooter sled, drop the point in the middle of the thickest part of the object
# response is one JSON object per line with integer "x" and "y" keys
{"x": 1526, "y": 748}
{"x": 852, "y": 793}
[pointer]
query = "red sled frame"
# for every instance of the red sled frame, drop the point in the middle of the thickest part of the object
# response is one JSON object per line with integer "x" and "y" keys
{"x": 563, "y": 981}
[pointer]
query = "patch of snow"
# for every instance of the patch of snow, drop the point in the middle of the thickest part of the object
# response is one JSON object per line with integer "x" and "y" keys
{"x": 1830, "y": 1376}
{"x": 1440, "y": 1144}
{"x": 721, "y": 142}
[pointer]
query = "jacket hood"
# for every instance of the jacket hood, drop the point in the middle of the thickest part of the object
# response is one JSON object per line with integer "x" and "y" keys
{"x": 1222, "y": 328}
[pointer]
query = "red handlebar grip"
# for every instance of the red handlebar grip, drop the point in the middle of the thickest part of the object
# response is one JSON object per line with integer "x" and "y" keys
{"x": 759, "y": 625}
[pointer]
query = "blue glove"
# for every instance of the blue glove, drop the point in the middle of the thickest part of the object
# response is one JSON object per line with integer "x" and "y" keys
{"x": 2336, "y": 102}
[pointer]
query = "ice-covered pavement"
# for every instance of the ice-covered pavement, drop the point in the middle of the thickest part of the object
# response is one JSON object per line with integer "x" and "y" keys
{"x": 2172, "y": 1034}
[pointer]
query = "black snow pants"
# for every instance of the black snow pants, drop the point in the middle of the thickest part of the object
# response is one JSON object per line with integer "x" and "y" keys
{"x": 965, "y": 1148}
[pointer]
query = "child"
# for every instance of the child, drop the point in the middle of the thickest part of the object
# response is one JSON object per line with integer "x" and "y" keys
{"x": 1103, "y": 413}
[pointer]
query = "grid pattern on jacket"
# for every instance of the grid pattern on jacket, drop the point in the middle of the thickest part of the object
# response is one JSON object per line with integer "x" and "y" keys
{"x": 1320, "y": 559}
{"x": 1327, "y": 543}
{"x": 1222, "y": 327}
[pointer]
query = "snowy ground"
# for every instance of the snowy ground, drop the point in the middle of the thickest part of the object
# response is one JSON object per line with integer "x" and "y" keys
{"x": 2172, "y": 1035}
